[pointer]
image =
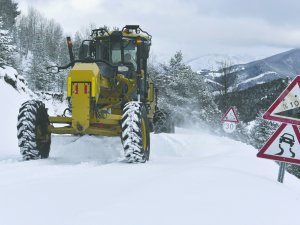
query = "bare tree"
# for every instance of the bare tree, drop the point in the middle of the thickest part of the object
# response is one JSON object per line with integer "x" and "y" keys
{"x": 225, "y": 70}
{"x": 226, "y": 80}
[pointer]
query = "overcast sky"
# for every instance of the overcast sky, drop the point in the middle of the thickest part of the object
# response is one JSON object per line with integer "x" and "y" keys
{"x": 196, "y": 27}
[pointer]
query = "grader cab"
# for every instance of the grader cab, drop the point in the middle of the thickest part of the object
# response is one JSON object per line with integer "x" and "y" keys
{"x": 110, "y": 94}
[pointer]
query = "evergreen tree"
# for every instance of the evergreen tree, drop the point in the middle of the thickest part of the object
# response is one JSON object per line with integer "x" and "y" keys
{"x": 52, "y": 36}
{"x": 9, "y": 12}
{"x": 38, "y": 76}
{"x": 183, "y": 92}
{"x": 241, "y": 133}
{"x": 41, "y": 44}
{"x": 261, "y": 131}
{"x": 6, "y": 46}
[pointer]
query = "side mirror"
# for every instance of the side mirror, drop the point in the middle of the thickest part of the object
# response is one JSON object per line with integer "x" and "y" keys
{"x": 83, "y": 51}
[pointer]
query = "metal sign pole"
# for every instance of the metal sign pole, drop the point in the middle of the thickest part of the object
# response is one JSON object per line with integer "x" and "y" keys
{"x": 281, "y": 172}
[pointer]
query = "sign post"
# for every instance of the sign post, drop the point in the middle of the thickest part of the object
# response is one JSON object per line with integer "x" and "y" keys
{"x": 281, "y": 172}
{"x": 230, "y": 120}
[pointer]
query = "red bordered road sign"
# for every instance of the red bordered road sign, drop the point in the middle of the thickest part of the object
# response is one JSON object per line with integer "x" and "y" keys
{"x": 283, "y": 145}
{"x": 286, "y": 108}
{"x": 230, "y": 116}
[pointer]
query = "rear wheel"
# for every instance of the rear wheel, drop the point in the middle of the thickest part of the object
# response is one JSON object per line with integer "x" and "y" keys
{"x": 33, "y": 135}
{"x": 163, "y": 122}
{"x": 135, "y": 133}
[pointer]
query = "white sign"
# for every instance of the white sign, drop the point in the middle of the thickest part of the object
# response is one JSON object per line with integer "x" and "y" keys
{"x": 286, "y": 108}
{"x": 230, "y": 116}
{"x": 229, "y": 127}
{"x": 283, "y": 145}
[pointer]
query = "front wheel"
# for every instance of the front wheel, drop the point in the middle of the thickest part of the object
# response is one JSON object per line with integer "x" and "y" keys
{"x": 135, "y": 133}
{"x": 33, "y": 135}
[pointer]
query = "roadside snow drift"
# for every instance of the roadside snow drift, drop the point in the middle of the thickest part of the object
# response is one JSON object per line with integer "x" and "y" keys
{"x": 10, "y": 101}
{"x": 192, "y": 177}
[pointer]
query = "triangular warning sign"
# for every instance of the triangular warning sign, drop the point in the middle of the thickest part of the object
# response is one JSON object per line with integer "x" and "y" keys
{"x": 230, "y": 116}
{"x": 283, "y": 145}
{"x": 286, "y": 108}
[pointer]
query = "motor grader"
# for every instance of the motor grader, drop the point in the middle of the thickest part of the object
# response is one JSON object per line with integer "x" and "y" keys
{"x": 110, "y": 94}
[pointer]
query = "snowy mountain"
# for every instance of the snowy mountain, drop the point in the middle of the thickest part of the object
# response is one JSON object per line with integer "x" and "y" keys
{"x": 214, "y": 61}
{"x": 286, "y": 64}
{"x": 193, "y": 177}
{"x": 243, "y": 76}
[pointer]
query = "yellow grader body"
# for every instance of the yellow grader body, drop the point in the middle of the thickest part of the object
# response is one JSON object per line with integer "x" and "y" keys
{"x": 84, "y": 88}
{"x": 87, "y": 88}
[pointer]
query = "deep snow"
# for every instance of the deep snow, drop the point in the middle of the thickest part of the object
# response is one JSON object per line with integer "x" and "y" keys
{"x": 193, "y": 177}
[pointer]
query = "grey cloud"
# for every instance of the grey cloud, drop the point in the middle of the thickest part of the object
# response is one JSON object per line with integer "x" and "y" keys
{"x": 276, "y": 12}
{"x": 195, "y": 27}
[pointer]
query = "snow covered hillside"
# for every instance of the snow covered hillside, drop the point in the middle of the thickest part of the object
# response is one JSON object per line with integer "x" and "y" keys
{"x": 242, "y": 76}
{"x": 193, "y": 177}
{"x": 214, "y": 61}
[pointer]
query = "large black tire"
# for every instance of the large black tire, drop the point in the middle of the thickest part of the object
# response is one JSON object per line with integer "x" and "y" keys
{"x": 135, "y": 133}
{"x": 163, "y": 123}
{"x": 33, "y": 135}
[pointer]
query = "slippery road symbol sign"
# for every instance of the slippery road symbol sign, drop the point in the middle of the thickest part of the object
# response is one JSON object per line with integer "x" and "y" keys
{"x": 290, "y": 140}
{"x": 286, "y": 108}
{"x": 283, "y": 145}
{"x": 230, "y": 116}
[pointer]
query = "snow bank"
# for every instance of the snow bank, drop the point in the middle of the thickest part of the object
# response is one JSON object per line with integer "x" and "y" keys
{"x": 13, "y": 92}
{"x": 17, "y": 81}
{"x": 10, "y": 101}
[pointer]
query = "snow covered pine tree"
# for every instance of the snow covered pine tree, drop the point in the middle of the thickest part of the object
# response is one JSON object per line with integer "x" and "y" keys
{"x": 6, "y": 46}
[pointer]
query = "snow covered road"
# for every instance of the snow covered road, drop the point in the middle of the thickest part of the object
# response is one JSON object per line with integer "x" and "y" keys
{"x": 192, "y": 178}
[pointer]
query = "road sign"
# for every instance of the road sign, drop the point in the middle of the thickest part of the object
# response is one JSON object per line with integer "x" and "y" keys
{"x": 229, "y": 127}
{"x": 230, "y": 116}
{"x": 286, "y": 108}
{"x": 283, "y": 145}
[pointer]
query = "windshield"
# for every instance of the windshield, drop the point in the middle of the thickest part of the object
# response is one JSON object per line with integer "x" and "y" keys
{"x": 130, "y": 50}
